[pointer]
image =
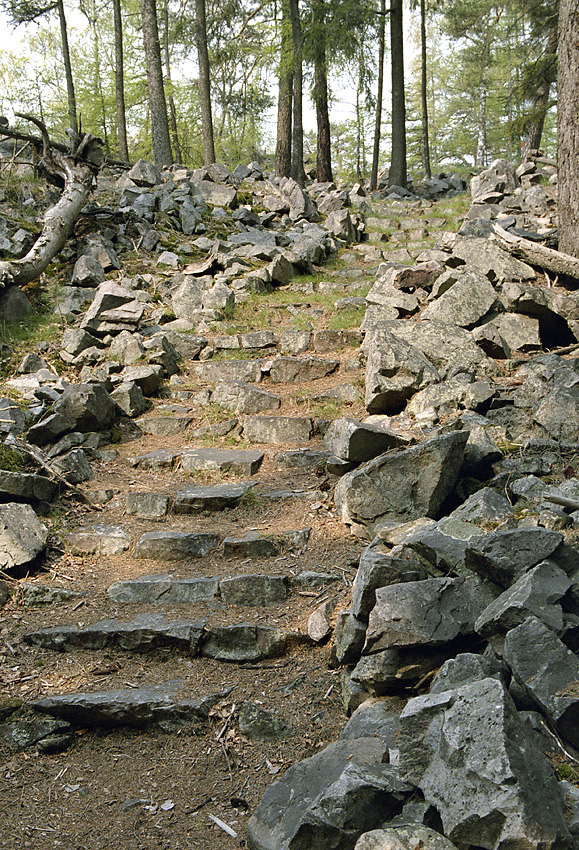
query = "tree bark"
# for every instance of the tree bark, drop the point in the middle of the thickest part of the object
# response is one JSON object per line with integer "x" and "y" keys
{"x": 424, "y": 93}
{"x": 67, "y": 68}
{"x": 379, "y": 96}
{"x": 76, "y": 171}
{"x": 398, "y": 168}
{"x": 324, "y": 155}
{"x": 204, "y": 82}
{"x": 568, "y": 127}
{"x": 162, "y": 154}
{"x": 297, "y": 172}
{"x": 170, "y": 98}
{"x": 283, "y": 151}
{"x": 122, "y": 142}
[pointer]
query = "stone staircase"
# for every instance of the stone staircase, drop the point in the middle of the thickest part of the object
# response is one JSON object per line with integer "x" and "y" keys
{"x": 195, "y": 598}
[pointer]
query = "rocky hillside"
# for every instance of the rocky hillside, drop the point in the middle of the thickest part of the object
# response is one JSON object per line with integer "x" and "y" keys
{"x": 285, "y": 458}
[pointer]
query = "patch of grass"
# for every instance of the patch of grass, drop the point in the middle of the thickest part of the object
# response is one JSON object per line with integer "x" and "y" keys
{"x": 345, "y": 319}
{"x": 321, "y": 408}
{"x": 250, "y": 499}
{"x": 213, "y": 413}
{"x": 10, "y": 460}
{"x": 22, "y": 337}
{"x": 564, "y": 770}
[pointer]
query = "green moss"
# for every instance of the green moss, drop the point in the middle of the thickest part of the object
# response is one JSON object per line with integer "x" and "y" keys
{"x": 10, "y": 460}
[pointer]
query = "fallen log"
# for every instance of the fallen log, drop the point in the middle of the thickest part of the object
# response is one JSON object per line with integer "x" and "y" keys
{"x": 537, "y": 255}
{"x": 74, "y": 171}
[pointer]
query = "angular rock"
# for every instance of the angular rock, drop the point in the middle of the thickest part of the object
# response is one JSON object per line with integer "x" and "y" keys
{"x": 319, "y": 626}
{"x": 395, "y": 370}
{"x": 535, "y": 593}
{"x": 130, "y": 399}
{"x": 558, "y": 413}
{"x": 403, "y": 838}
{"x": 503, "y": 556}
{"x": 26, "y": 486}
{"x": 31, "y": 595}
{"x": 521, "y": 333}
{"x": 251, "y": 545}
{"x": 464, "y": 297}
{"x": 491, "y": 260}
{"x": 349, "y": 637}
{"x": 242, "y": 397}
{"x": 145, "y": 632}
{"x": 548, "y": 672}
{"x": 257, "y": 724}
{"x": 328, "y": 800}
{"x": 358, "y": 441}
{"x": 467, "y": 668}
{"x": 194, "y": 500}
{"x": 423, "y": 613}
{"x": 278, "y": 429}
{"x": 175, "y": 545}
{"x": 379, "y": 568}
{"x": 50, "y": 736}
{"x": 87, "y": 272}
{"x": 258, "y": 590}
{"x": 113, "y": 310}
{"x": 73, "y": 466}
{"x": 395, "y": 488}
{"x": 22, "y": 536}
{"x": 475, "y": 761}
{"x": 81, "y": 407}
{"x": 164, "y": 590}
{"x": 147, "y": 378}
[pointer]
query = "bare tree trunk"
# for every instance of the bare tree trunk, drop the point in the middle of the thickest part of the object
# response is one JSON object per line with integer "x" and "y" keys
{"x": 481, "y": 144}
{"x": 120, "y": 83}
{"x": 170, "y": 98}
{"x": 157, "y": 104}
{"x": 67, "y": 68}
{"x": 324, "y": 155}
{"x": 283, "y": 151}
{"x": 298, "y": 172}
{"x": 379, "y": 96}
{"x": 542, "y": 95}
{"x": 398, "y": 168}
{"x": 76, "y": 170}
{"x": 204, "y": 82}
{"x": 424, "y": 93}
{"x": 568, "y": 127}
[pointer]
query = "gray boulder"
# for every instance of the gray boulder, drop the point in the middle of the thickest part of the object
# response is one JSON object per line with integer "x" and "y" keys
{"x": 81, "y": 407}
{"x": 328, "y": 800}
{"x": 164, "y": 590}
{"x": 242, "y": 397}
{"x": 395, "y": 370}
{"x": 278, "y": 429}
{"x": 503, "y": 556}
{"x": 22, "y": 536}
{"x": 404, "y": 838}
{"x": 491, "y": 260}
{"x": 396, "y": 488}
{"x": 475, "y": 760}
{"x": 464, "y": 298}
{"x": 175, "y": 545}
{"x": 358, "y": 441}
{"x": 233, "y": 461}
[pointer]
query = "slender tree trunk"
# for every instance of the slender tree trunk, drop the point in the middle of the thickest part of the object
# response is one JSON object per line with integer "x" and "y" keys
{"x": 324, "y": 155}
{"x": 398, "y": 168}
{"x": 424, "y": 93}
{"x": 170, "y": 98}
{"x": 120, "y": 83}
{"x": 67, "y": 68}
{"x": 283, "y": 151}
{"x": 481, "y": 145}
{"x": 359, "y": 122}
{"x": 568, "y": 127}
{"x": 542, "y": 95}
{"x": 379, "y": 96}
{"x": 297, "y": 171}
{"x": 204, "y": 82}
{"x": 162, "y": 154}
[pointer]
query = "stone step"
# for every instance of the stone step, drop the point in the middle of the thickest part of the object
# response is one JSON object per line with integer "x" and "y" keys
{"x": 248, "y": 590}
{"x": 219, "y": 497}
{"x": 149, "y": 706}
{"x": 278, "y": 429}
{"x": 238, "y": 643}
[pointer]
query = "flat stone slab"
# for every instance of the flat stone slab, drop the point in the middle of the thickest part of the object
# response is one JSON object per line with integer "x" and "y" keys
{"x": 164, "y": 590}
{"x": 245, "y": 642}
{"x": 228, "y": 370}
{"x": 145, "y": 632}
{"x": 99, "y": 540}
{"x": 258, "y": 590}
{"x": 358, "y": 441}
{"x": 157, "y": 461}
{"x": 195, "y": 500}
{"x": 146, "y": 505}
{"x": 234, "y": 461}
{"x": 286, "y": 369}
{"x": 163, "y": 426}
{"x": 278, "y": 429}
{"x": 31, "y": 594}
{"x": 242, "y": 397}
{"x": 154, "y": 705}
{"x": 302, "y": 459}
{"x": 175, "y": 545}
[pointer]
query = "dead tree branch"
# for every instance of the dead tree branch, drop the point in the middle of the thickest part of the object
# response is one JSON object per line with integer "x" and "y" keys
{"x": 537, "y": 255}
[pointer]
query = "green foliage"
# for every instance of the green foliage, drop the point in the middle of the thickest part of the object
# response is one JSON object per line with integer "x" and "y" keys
{"x": 10, "y": 460}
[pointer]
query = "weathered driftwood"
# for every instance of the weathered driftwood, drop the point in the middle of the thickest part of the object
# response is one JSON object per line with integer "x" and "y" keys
{"x": 74, "y": 172}
{"x": 538, "y": 255}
